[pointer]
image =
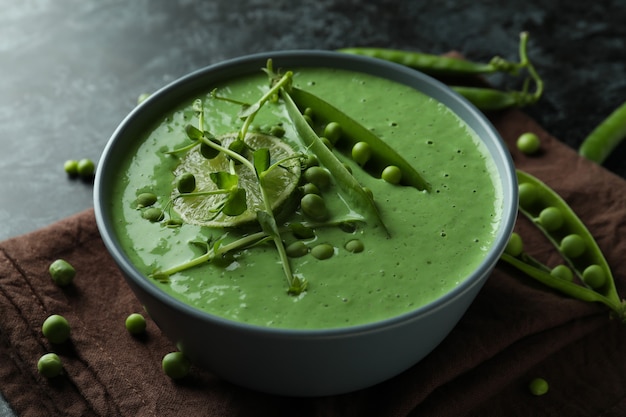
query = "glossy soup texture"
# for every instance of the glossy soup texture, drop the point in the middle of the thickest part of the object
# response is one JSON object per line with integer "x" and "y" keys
{"x": 436, "y": 239}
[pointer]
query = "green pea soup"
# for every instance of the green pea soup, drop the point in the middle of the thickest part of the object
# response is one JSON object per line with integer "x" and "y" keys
{"x": 435, "y": 238}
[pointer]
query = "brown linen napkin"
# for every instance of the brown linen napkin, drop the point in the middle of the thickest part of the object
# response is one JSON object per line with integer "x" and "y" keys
{"x": 514, "y": 331}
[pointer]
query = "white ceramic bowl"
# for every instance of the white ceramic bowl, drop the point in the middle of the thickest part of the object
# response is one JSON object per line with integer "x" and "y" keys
{"x": 301, "y": 362}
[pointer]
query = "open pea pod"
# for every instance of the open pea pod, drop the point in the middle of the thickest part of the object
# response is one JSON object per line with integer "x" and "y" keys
{"x": 345, "y": 180}
{"x": 566, "y": 231}
{"x": 355, "y": 132}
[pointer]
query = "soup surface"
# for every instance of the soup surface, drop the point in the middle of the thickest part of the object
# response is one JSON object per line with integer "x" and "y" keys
{"x": 435, "y": 238}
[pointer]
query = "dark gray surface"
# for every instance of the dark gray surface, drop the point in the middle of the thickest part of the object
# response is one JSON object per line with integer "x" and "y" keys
{"x": 71, "y": 70}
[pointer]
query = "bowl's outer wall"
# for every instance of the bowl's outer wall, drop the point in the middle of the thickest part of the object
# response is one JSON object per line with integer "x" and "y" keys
{"x": 300, "y": 363}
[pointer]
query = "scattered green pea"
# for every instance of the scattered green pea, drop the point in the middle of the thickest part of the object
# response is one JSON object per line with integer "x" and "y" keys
{"x": 528, "y": 143}
{"x": 323, "y": 251}
{"x": 515, "y": 245}
{"x": 562, "y": 272}
{"x": 49, "y": 365}
{"x": 313, "y": 206}
{"x": 572, "y": 246}
{"x": 62, "y": 272}
{"x": 85, "y": 167}
{"x": 527, "y": 195}
{"x": 361, "y": 152}
{"x": 318, "y": 176}
{"x": 594, "y": 276}
{"x": 71, "y": 167}
{"x": 551, "y": 218}
{"x": 145, "y": 200}
{"x": 297, "y": 249}
{"x": 538, "y": 386}
{"x": 392, "y": 174}
{"x": 153, "y": 214}
{"x": 333, "y": 132}
{"x": 176, "y": 365}
{"x": 135, "y": 323}
{"x": 56, "y": 328}
{"x": 354, "y": 246}
{"x": 186, "y": 183}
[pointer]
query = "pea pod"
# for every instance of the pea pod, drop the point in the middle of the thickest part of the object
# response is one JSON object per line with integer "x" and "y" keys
{"x": 436, "y": 64}
{"x": 599, "y": 144}
{"x": 346, "y": 181}
{"x": 564, "y": 229}
{"x": 356, "y": 132}
{"x": 489, "y": 99}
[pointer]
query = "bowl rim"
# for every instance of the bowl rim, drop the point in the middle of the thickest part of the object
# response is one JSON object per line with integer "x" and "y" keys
{"x": 505, "y": 171}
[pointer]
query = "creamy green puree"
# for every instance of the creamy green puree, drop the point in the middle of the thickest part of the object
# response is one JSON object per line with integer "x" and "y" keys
{"x": 436, "y": 239}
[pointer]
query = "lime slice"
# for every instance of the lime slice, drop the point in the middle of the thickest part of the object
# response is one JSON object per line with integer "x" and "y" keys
{"x": 279, "y": 183}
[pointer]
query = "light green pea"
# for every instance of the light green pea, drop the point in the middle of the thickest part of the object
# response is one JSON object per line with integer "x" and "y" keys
{"x": 176, "y": 365}
{"x": 515, "y": 245}
{"x": 86, "y": 167}
{"x": 594, "y": 276}
{"x": 551, "y": 218}
{"x": 297, "y": 249}
{"x": 145, "y": 200}
{"x": 527, "y": 195}
{"x": 56, "y": 329}
{"x": 50, "y": 365}
{"x": 318, "y": 176}
{"x": 135, "y": 323}
{"x": 392, "y": 174}
{"x": 153, "y": 214}
{"x": 62, "y": 272}
{"x": 573, "y": 246}
{"x": 186, "y": 183}
{"x": 323, "y": 251}
{"x": 333, "y": 132}
{"x": 313, "y": 206}
{"x": 354, "y": 246}
{"x": 361, "y": 152}
{"x": 528, "y": 143}
{"x": 563, "y": 272}
{"x": 71, "y": 167}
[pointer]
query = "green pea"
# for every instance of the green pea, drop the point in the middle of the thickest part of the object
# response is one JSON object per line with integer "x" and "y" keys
{"x": 594, "y": 276}
{"x": 277, "y": 131}
{"x": 301, "y": 231}
{"x": 145, "y": 200}
{"x": 323, "y": 251}
{"x": 135, "y": 323}
{"x": 562, "y": 272}
{"x": 62, "y": 272}
{"x": 361, "y": 152}
{"x": 528, "y": 143}
{"x": 354, "y": 246}
{"x": 333, "y": 132}
{"x": 56, "y": 328}
{"x": 392, "y": 174}
{"x": 176, "y": 365}
{"x": 308, "y": 119}
{"x": 297, "y": 249}
{"x": 311, "y": 161}
{"x": 186, "y": 183}
{"x": 515, "y": 245}
{"x": 309, "y": 112}
{"x": 551, "y": 218}
{"x": 572, "y": 246}
{"x": 527, "y": 195}
{"x": 71, "y": 167}
{"x": 318, "y": 176}
{"x": 49, "y": 365}
{"x": 327, "y": 142}
{"x": 309, "y": 188}
{"x": 313, "y": 206}
{"x": 538, "y": 386}
{"x": 153, "y": 214}
{"x": 85, "y": 167}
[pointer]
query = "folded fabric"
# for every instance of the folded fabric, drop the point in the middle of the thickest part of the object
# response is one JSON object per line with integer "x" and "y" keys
{"x": 514, "y": 331}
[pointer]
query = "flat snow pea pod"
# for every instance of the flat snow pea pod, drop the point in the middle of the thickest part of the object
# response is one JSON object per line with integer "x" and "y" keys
{"x": 343, "y": 178}
{"x": 435, "y": 64}
{"x": 572, "y": 226}
{"x": 599, "y": 144}
{"x": 357, "y": 133}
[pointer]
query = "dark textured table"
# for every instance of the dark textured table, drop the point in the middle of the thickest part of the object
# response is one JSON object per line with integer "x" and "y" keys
{"x": 71, "y": 70}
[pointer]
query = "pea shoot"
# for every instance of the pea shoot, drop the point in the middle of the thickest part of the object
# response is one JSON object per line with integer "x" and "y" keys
{"x": 605, "y": 137}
